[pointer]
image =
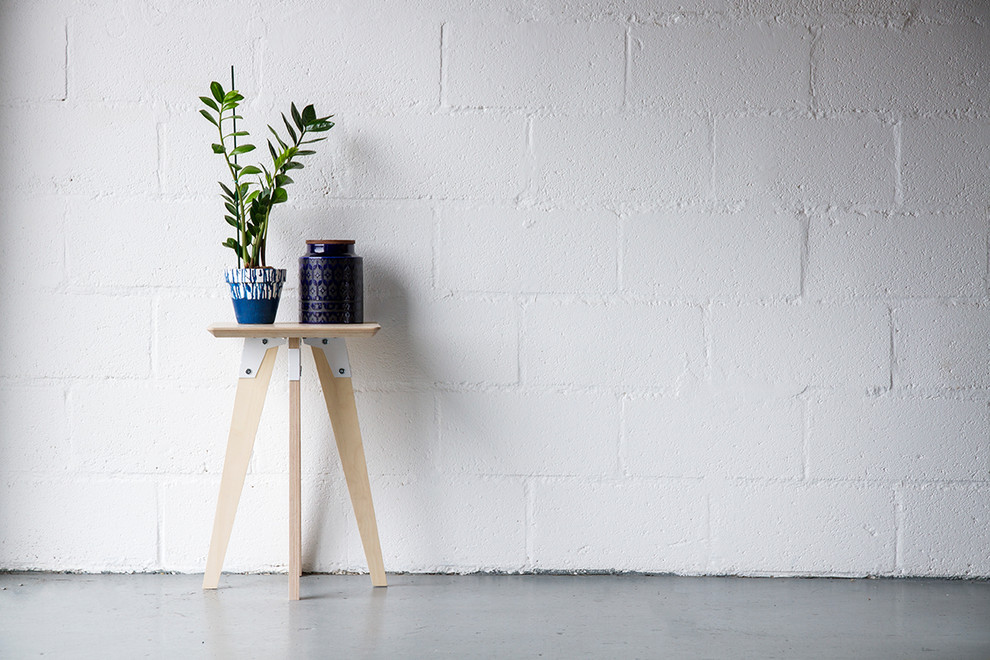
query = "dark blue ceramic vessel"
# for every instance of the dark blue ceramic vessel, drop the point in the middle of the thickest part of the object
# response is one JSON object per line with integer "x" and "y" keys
{"x": 331, "y": 283}
{"x": 255, "y": 292}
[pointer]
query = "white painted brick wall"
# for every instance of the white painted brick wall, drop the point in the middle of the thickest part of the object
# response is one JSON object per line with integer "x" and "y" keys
{"x": 927, "y": 68}
{"x": 692, "y": 286}
{"x": 946, "y": 163}
{"x": 623, "y": 158}
{"x": 921, "y": 255}
{"x": 835, "y": 160}
{"x": 760, "y": 66}
{"x": 699, "y": 254}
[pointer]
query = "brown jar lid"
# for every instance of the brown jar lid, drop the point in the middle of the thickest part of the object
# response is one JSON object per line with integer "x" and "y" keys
{"x": 331, "y": 242}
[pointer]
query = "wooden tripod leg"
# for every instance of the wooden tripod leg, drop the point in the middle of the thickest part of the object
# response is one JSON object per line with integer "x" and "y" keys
{"x": 248, "y": 402}
{"x": 338, "y": 393}
{"x": 295, "y": 473}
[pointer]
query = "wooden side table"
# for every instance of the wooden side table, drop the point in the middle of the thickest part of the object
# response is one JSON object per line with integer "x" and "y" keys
{"x": 261, "y": 344}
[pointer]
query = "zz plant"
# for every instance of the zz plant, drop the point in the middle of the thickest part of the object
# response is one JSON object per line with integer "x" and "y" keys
{"x": 249, "y": 201}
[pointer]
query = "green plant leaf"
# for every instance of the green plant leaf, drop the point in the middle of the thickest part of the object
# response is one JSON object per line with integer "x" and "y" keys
{"x": 226, "y": 190}
{"x": 217, "y": 148}
{"x": 281, "y": 144}
{"x": 210, "y": 102}
{"x": 313, "y": 140}
{"x": 217, "y": 90}
{"x": 230, "y": 220}
{"x": 230, "y": 207}
{"x": 292, "y": 165}
{"x": 288, "y": 127}
{"x": 304, "y": 152}
{"x": 233, "y": 96}
{"x": 243, "y": 149}
{"x": 321, "y": 125}
{"x": 237, "y": 134}
{"x": 250, "y": 169}
{"x": 283, "y": 180}
{"x": 279, "y": 196}
{"x": 209, "y": 117}
{"x": 251, "y": 197}
{"x": 309, "y": 114}
{"x": 296, "y": 116}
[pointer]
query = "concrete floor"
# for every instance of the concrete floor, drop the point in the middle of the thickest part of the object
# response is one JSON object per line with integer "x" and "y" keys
{"x": 342, "y": 616}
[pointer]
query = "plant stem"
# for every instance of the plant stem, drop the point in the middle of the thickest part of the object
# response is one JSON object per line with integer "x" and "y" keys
{"x": 237, "y": 191}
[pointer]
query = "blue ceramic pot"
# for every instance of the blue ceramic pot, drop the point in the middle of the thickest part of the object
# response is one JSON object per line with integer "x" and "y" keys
{"x": 255, "y": 292}
{"x": 331, "y": 283}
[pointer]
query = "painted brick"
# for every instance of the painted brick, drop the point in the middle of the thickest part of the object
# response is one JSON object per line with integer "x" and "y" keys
{"x": 187, "y": 165}
{"x": 753, "y": 253}
{"x": 888, "y": 438}
{"x": 32, "y": 241}
{"x": 529, "y": 433}
{"x": 398, "y": 429}
{"x": 927, "y": 68}
{"x": 897, "y": 255}
{"x": 395, "y": 241}
{"x": 113, "y": 342}
{"x": 759, "y": 65}
{"x": 183, "y": 431}
{"x": 942, "y": 345}
{"x": 136, "y": 53}
{"x": 509, "y": 250}
{"x": 946, "y": 162}
{"x": 79, "y": 525}
{"x": 786, "y": 348}
{"x": 946, "y": 531}
{"x": 788, "y": 528}
{"x": 906, "y": 13}
{"x": 622, "y": 158}
{"x": 86, "y": 153}
{"x": 258, "y": 539}
{"x": 647, "y": 10}
{"x": 33, "y": 38}
{"x": 184, "y": 351}
{"x": 179, "y": 244}
{"x": 462, "y": 156}
{"x": 384, "y": 56}
{"x": 425, "y": 526}
{"x": 661, "y": 528}
{"x": 534, "y": 65}
{"x": 613, "y": 345}
{"x": 707, "y": 433}
{"x": 34, "y": 436}
{"x": 825, "y": 161}
{"x": 447, "y": 340}
{"x": 837, "y": 9}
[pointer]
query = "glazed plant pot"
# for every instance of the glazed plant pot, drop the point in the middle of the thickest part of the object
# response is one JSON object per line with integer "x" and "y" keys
{"x": 255, "y": 293}
{"x": 331, "y": 283}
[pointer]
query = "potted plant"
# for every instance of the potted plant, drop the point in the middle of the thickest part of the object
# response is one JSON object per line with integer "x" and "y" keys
{"x": 254, "y": 191}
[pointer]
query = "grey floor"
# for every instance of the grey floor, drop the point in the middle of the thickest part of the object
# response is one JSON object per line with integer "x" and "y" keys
{"x": 422, "y": 616}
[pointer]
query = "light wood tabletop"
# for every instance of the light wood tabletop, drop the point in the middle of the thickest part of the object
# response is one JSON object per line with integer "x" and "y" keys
{"x": 297, "y": 330}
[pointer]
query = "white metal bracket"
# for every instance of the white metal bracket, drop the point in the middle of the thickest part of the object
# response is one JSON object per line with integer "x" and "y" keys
{"x": 254, "y": 352}
{"x": 295, "y": 364}
{"x": 336, "y": 351}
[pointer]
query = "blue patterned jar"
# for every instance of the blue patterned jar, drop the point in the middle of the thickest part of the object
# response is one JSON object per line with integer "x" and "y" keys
{"x": 331, "y": 283}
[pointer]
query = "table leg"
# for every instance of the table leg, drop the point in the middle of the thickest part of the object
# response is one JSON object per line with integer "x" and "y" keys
{"x": 338, "y": 393}
{"x": 248, "y": 402}
{"x": 295, "y": 473}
